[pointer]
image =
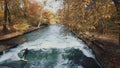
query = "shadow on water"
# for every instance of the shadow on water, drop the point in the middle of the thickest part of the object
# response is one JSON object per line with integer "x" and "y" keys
{"x": 76, "y": 57}
{"x": 14, "y": 64}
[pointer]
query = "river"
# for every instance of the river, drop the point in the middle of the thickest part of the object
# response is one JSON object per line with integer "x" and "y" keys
{"x": 51, "y": 47}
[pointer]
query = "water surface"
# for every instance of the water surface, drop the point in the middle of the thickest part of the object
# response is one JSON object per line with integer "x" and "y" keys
{"x": 51, "y": 47}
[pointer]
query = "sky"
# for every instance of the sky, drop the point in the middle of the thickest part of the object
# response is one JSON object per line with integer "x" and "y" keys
{"x": 52, "y": 4}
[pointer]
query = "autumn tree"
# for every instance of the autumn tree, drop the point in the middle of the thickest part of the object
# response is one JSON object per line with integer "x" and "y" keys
{"x": 84, "y": 15}
{"x": 33, "y": 13}
{"x": 48, "y": 16}
{"x": 7, "y": 19}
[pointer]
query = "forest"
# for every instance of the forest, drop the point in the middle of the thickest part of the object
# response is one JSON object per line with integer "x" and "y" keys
{"x": 87, "y": 15}
{"x": 66, "y": 23}
{"x": 20, "y": 15}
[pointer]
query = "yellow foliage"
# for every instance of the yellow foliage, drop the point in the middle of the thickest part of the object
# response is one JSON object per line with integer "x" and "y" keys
{"x": 21, "y": 26}
{"x": 48, "y": 14}
{"x": 26, "y": 3}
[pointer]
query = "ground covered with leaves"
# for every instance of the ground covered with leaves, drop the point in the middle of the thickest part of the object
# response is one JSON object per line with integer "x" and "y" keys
{"x": 111, "y": 56}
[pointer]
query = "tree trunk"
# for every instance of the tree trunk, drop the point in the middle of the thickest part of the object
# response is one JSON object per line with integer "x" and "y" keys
{"x": 6, "y": 18}
{"x": 40, "y": 22}
{"x": 5, "y": 29}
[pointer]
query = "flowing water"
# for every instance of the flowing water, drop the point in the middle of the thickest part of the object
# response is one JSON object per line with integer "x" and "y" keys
{"x": 51, "y": 47}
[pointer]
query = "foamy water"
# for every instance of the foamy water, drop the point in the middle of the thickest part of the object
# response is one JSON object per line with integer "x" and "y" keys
{"x": 49, "y": 38}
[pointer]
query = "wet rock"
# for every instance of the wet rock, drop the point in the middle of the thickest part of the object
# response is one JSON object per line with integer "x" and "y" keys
{"x": 88, "y": 62}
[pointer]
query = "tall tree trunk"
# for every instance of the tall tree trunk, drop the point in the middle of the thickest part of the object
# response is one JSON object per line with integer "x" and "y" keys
{"x": 6, "y": 13}
{"x": 40, "y": 22}
{"x": 26, "y": 5}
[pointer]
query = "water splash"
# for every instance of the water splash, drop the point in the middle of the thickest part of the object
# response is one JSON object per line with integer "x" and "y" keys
{"x": 47, "y": 46}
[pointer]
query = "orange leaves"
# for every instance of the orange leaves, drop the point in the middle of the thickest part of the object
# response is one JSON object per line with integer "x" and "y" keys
{"x": 37, "y": 14}
{"x": 97, "y": 13}
{"x": 34, "y": 9}
{"x": 47, "y": 14}
{"x": 1, "y": 14}
{"x": 26, "y": 3}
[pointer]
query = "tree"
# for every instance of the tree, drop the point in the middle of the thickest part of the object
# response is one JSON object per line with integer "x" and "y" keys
{"x": 33, "y": 13}
{"x": 89, "y": 13}
{"x": 1, "y": 10}
{"x": 7, "y": 18}
{"x": 49, "y": 16}
{"x": 42, "y": 13}
{"x": 117, "y": 4}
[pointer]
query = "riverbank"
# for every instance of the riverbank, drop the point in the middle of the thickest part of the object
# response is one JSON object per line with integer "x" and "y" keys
{"x": 105, "y": 47}
{"x": 11, "y": 40}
